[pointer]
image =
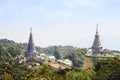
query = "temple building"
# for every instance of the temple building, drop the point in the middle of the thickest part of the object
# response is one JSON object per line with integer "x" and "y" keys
{"x": 97, "y": 48}
{"x": 30, "y": 52}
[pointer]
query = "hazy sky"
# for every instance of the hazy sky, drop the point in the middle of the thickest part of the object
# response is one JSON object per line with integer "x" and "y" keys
{"x": 61, "y": 22}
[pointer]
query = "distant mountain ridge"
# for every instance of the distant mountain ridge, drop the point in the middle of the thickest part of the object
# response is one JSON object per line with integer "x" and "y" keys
{"x": 48, "y": 50}
{"x": 7, "y": 42}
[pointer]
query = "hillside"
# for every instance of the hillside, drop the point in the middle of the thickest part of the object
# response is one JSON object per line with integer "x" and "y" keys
{"x": 11, "y": 69}
{"x": 63, "y": 50}
{"x": 11, "y": 49}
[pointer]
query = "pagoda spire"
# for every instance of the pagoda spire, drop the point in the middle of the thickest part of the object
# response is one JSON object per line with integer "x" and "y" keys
{"x": 97, "y": 31}
{"x": 30, "y": 47}
{"x": 96, "y": 47}
{"x": 31, "y": 31}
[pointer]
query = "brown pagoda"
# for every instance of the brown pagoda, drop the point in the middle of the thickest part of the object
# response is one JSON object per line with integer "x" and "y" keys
{"x": 97, "y": 48}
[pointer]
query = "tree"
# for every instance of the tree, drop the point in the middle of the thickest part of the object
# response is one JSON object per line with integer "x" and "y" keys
{"x": 57, "y": 55}
{"x": 82, "y": 75}
{"x": 77, "y": 57}
{"x": 107, "y": 70}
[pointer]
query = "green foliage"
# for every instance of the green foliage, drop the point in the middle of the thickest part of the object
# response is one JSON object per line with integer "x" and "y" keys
{"x": 11, "y": 69}
{"x": 19, "y": 48}
{"x": 77, "y": 57}
{"x": 62, "y": 50}
{"x": 9, "y": 49}
{"x": 20, "y": 71}
{"x": 8, "y": 53}
{"x": 10, "y": 43}
{"x": 14, "y": 71}
{"x": 57, "y": 55}
{"x": 82, "y": 75}
{"x": 115, "y": 51}
{"x": 107, "y": 70}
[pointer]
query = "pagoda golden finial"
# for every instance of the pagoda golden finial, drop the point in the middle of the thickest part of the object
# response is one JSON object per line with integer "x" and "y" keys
{"x": 97, "y": 30}
{"x": 30, "y": 31}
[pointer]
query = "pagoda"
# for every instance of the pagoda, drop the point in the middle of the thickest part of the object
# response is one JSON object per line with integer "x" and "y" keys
{"x": 97, "y": 48}
{"x": 30, "y": 52}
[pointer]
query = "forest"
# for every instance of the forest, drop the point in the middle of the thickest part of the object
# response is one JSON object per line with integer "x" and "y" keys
{"x": 11, "y": 69}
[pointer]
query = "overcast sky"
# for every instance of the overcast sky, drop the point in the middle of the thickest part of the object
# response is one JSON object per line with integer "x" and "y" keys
{"x": 61, "y": 22}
